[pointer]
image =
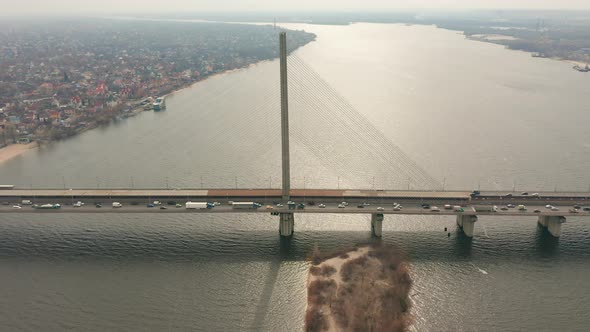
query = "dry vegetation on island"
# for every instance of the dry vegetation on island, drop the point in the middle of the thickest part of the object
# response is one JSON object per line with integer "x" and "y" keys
{"x": 366, "y": 289}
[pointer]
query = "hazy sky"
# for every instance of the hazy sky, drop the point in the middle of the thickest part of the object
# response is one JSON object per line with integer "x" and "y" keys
{"x": 69, "y": 6}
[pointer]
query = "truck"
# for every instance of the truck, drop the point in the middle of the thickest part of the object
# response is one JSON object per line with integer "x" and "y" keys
{"x": 246, "y": 205}
{"x": 198, "y": 205}
{"x": 48, "y": 206}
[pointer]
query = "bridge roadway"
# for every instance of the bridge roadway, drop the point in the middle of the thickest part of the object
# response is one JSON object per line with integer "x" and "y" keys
{"x": 498, "y": 198}
{"x": 331, "y": 208}
{"x": 136, "y": 200}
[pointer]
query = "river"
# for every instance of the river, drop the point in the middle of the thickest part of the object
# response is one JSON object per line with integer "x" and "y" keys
{"x": 472, "y": 114}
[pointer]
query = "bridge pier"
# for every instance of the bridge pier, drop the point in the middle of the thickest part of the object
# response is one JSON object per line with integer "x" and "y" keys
{"x": 552, "y": 223}
{"x": 377, "y": 224}
{"x": 467, "y": 224}
{"x": 286, "y": 224}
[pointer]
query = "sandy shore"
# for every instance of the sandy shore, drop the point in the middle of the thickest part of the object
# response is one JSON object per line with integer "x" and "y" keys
{"x": 336, "y": 263}
{"x": 360, "y": 290}
{"x": 13, "y": 150}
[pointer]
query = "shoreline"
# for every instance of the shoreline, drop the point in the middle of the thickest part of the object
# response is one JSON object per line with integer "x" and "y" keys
{"x": 14, "y": 150}
{"x": 134, "y": 109}
{"x": 501, "y": 38}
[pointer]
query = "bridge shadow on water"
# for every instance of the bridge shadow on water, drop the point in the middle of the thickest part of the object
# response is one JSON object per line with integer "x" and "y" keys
{"x": 267, "y": 246}
{"x": 546, "y": 244}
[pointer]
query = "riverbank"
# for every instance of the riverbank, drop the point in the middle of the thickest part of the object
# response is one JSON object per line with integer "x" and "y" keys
{"x": 14, "y": 150}
{"x": 363, "y": 289}
{"x": 500, "y": 39}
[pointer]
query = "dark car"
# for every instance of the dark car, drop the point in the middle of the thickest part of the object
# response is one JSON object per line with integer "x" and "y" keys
{"x": 311, "y": 203}
{"x": 360, "y": 206}
{"x": 134, "y": 203}
{"x": 301, "y": 206}
{"x": 98, "y": 205}
{"x": 586, "y": 209}
{"x": 150, "y": 205}
{"x": 171, "y": 202}
{"x": 426, "y": 206}
{"x": 508, "y": 195}
{"x": 525, "y": 194}
{"x": 163, "y": 207}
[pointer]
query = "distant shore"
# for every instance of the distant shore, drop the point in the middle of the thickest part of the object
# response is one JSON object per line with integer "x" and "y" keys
{"x": 498, "y": 38}
{"x": 10, "y": 151}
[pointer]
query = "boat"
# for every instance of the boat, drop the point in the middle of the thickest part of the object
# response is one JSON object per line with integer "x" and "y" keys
{"x": 159, "y": 104}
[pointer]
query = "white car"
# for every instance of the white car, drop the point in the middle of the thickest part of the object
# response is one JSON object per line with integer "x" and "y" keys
{"x": 157, "y": 203}
{"x": 548, "y": 206}
{"x": 397, "y": 208}
{"x": 16, "y": 206}
{"x": 216, "y": 204}
{"x": 321, "y": 206}
{"x": 117, "y": 205}
{"x": 380, "y": 209}
{"x": 553, "y": 208}
{"x": 78, "y": 204}
{"x": 344, "y": 203}
{"x": 448, "y": 207}
{"x": 434, "y": 209}
{"x": 279, "y": 205}
{"x": 341, "y": 206}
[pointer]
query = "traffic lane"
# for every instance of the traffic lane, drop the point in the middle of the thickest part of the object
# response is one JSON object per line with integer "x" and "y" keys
{"x": 333, "y": 209}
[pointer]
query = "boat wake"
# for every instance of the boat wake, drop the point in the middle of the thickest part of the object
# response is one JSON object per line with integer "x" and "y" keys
{"x": 480, "y": 270}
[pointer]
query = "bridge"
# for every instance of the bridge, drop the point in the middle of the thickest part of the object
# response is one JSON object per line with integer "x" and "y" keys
{"x": 549, "y": 208}
{"x": 378, "y": 203}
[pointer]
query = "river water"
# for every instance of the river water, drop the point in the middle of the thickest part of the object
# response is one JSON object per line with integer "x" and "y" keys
{"x": 471, "y": 114}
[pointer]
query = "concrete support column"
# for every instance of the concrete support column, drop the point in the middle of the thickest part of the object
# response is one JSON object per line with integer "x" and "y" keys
{"x": 286, "y": 224}
{"x": 466, "y": 224}
{"x": 552, "y": 223}
{"x": 377, "y": 224}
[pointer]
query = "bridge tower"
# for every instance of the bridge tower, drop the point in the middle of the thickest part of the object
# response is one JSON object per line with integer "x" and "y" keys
{"x": 287, "y": 220}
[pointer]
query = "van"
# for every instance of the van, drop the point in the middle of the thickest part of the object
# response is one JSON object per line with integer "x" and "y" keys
{"x": 522, "y": 208}
{"x": 26, "y": 202}
{"x": 117, "y": 205}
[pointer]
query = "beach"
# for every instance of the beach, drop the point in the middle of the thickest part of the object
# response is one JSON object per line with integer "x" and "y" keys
{"x": 14, "y": 150}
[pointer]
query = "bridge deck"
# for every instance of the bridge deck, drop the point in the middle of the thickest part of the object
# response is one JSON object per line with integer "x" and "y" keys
{"x": 228, "y": 192}
{"x": 135, "y": 201}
